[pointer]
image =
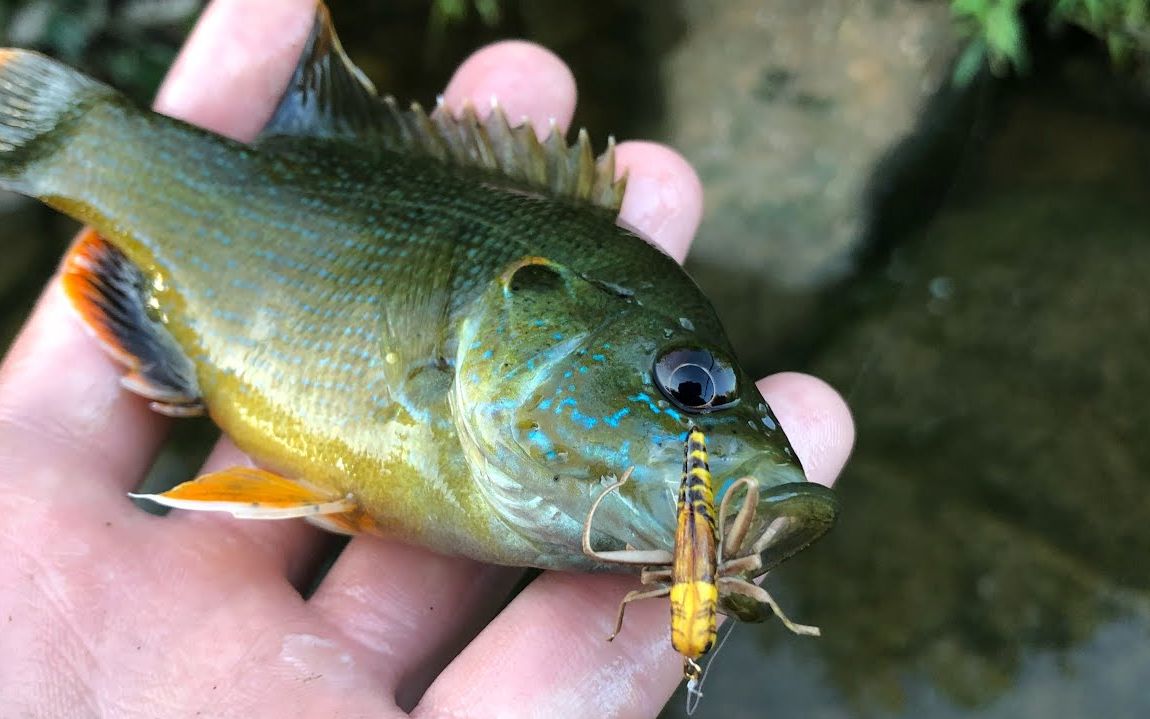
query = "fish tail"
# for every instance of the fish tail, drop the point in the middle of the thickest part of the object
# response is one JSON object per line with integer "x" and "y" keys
{"x": 38, "y": 95}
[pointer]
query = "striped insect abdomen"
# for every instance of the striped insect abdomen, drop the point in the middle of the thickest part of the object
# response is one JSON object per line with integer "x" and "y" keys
{"x": 694, "y": 594}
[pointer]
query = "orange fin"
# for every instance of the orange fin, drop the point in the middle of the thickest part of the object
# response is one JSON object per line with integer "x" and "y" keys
{"x": 350, "y": 523}
{"x": 251, "y": 493}
{"x": 111, "y": 295}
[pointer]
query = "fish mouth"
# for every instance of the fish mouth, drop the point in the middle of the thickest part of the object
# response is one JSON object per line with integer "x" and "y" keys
{"x": 790, "y": 514}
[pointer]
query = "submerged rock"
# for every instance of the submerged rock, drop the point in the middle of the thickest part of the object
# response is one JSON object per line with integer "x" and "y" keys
{"x": 791, "y": 112}
{"x": 786, "y": 108}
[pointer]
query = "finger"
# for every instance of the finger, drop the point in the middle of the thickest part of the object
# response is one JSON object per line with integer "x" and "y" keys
{"x": 415, "y": 626}
{"x": 235, "y": 64}
{"x": 529, "y": 81}
{"x": 61, "y": 405}
{"x": 406, "y": 605}
{"x": 564, "y": 666}
{"x": 816, "y": 420}
{"x": 506, "y": 669}
{"x": 664, "y": 199}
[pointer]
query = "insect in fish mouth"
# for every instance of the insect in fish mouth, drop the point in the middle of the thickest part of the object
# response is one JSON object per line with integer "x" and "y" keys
{"x": 708, "y": 561}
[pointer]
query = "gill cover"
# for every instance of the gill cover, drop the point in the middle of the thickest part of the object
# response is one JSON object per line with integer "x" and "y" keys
{"x": 538, "y": 379}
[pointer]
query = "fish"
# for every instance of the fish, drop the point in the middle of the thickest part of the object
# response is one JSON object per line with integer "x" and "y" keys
{"x": 427, "y": 326}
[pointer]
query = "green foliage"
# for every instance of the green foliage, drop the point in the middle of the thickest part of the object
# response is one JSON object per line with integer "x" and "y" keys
{"x": 446, "y": 12}
{"x": 996, "y": 31}
{"x": 997, "y": 34}
{"x": 1123, "y": 24}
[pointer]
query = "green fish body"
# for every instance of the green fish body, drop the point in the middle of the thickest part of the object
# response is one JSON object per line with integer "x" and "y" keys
{"x": 432, "y": 327}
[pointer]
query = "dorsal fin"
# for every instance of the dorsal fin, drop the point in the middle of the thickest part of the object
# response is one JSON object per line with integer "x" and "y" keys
{"x": 329, "y": 97}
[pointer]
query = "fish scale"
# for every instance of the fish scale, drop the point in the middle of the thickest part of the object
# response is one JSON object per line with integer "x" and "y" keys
{"x": 425, "y": 326}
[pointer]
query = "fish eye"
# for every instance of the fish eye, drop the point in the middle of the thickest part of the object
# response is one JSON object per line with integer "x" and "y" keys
{"x": 696, "y": 380}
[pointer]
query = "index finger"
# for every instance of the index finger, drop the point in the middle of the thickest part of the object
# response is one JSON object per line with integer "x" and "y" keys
{"x": 235, "y": 65}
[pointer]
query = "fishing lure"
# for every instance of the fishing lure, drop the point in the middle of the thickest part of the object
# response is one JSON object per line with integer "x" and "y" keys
{"x": 706, "y": 563}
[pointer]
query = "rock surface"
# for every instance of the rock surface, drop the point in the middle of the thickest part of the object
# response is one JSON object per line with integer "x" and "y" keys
{"x": 791, "y": 111}
{"x": 786, "y": 108}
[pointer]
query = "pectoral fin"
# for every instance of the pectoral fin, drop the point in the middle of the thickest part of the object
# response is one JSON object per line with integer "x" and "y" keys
{"x": 112, "y": 297}
{"x": 251, "y": 493}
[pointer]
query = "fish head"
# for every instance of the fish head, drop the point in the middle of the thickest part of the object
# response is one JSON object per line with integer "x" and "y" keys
{"x": 564, "y": 381}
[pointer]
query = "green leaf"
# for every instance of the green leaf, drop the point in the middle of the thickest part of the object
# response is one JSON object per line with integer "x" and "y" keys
{"x": 1004, "y": 34}
{"x": 975, "y": 9}
{"x": 970, "y": 63}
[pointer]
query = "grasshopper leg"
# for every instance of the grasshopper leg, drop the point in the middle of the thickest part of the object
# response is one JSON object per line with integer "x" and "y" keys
{"x": 633, "y": 596}
{"x": 754, "y": 591}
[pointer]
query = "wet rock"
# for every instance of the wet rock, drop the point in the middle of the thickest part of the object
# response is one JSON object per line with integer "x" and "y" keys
{"x": 786, "y": 108}
{"x": 789, "y": 111}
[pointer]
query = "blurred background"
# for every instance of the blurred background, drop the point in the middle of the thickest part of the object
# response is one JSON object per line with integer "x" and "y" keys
{"x": 943, "y": 208}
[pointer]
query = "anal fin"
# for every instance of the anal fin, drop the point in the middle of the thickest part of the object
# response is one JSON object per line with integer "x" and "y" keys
{"x": 253, "y": 493}
{"x": 349, "y": 523}
{"x": 111, "y": 296}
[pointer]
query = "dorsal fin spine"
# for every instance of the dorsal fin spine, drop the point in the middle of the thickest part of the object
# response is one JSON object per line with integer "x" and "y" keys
{"x": 329, "y": 97}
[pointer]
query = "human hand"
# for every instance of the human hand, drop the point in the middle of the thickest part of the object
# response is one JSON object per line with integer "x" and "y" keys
{"x": 107, "y": 610}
